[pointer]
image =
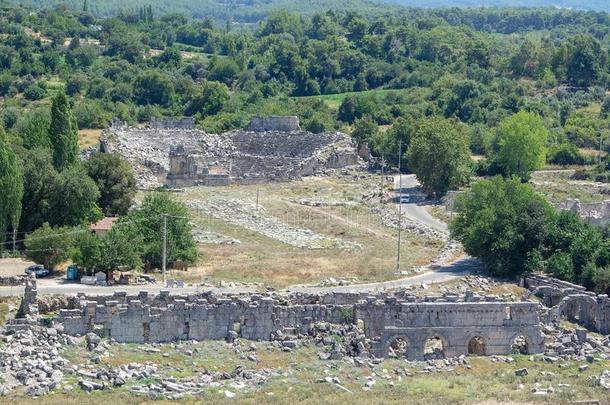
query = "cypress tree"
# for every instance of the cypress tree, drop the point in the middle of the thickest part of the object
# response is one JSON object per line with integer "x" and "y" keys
{"x": 63, "y": 133}
{"x": 11, "y": 189}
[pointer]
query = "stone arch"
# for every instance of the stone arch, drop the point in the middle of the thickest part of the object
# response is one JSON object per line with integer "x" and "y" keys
{"x": 477, "y": 345}
{"x": 580, "y": 309}
{"x": 435, "y": 347}
{"x": 398, "y": 345}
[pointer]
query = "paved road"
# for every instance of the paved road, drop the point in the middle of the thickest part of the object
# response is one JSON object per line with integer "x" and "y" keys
{"x": 457, "y": 269}
{"x": 415, "y": 209}
{"x": 69, "y": 289}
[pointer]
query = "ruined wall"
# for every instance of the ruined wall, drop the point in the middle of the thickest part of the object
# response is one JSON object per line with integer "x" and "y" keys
{"x": 172, "y": 123}
{"x": 274, "y": 123}
{"x": 570, "y": 301}
{"x": 597, "y": 213}
{"x": 455, "y": 320}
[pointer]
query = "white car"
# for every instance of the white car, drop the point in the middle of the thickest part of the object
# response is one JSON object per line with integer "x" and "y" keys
{"x": 37, "y": 270}
{"x": 405, "y": 200}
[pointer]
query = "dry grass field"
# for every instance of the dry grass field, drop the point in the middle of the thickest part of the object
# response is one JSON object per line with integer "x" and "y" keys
{"x": 259, "y": 258}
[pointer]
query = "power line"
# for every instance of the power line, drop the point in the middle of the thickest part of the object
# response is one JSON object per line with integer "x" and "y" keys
{"x": 83, "y": 230}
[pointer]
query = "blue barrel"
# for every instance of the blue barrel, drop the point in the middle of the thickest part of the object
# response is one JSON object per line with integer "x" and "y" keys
{"x": 72, "y": 273}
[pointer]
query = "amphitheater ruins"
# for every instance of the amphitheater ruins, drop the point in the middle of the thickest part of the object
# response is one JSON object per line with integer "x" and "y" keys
{"x": 176, "y": 153}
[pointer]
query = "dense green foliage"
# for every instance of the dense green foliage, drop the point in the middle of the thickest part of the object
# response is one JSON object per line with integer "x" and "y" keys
{"x": 438, "y": 155}
{"x": 115, "y": 180}
{"x": 62, "y": 133}
{"x": 254, "y": 10}
{"x": 521, "y": 145}
{"x": 146, "y": 222}
{"x": 49, "y": 246}
{"x": 513, "y": 229}
{"x": 11, "y": 190}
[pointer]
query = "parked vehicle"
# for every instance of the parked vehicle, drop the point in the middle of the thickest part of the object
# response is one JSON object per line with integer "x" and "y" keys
{"x": 38, "y": 270}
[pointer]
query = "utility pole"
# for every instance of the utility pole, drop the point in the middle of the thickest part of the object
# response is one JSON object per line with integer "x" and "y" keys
{"x": 382, "y": 164}
{"x": 164, "y": 262}
{"x": 399, "y": 207}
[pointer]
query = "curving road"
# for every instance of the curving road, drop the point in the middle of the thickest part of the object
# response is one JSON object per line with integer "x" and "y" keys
{"x": 415, "y": 209}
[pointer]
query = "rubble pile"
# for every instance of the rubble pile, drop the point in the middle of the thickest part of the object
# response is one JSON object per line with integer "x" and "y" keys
{"x": 337, "y": 340}
{"x": 30, "y": 358}
{"x": 249, "y": 216}
{"x": 318, "y": 202}
{"x": 174, "y": 388}
{"x": 566, "y": 344}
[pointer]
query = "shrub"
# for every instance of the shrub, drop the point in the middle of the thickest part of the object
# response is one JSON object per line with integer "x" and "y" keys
{"x": 34, "y": 92}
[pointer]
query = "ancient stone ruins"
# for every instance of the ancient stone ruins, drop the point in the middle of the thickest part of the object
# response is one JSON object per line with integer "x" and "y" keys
{"x": 176, "y": 153}
{"x": 469, "y": 324}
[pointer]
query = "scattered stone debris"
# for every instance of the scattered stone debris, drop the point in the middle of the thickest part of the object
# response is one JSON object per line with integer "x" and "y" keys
{"x": 604, "y": 379}
{"x": 213, "y": 238}
{"x": 31, "y": 358}
{"x": 249, "y": 216}
{"x": 564, "y": 344}
{"x": 318, "y": 202}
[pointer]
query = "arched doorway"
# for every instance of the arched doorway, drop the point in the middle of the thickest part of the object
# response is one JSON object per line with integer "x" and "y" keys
{"x": 398, "y": 347}
{"x": 520, "y": 345}
{"x": 434, "y": 348}
{"x": 579, "y": 309}
{"x": 476, "y": 346}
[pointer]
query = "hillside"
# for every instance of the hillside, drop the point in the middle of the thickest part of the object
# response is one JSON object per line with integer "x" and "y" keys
{"x": 255, "y": 10}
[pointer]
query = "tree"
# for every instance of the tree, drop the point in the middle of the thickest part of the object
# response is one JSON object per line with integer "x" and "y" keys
{"x": 210, "y": 100}
{"x": 439, "y": 155}
{"x": 364, "y": 129}
{"x": 115, "y": 180}
{"x": 74, "y": 200}
{"x": 40, "y": 182}
{"x": 146, "y": 221}
{"x": 583, "y": 64}
{"x": 121, "y": 250}
{"x": 11, "y": 189}
{"x": 605, "y": 109}
{"x": 33, "y": 127}
{"x": 502, "y": 222}
{"x": 86, "y": 253}
{"x": 153, "y": 87}
{"x": 560, "y": 266}
{"x": 63, "y": 133}
{"x": 521, "y": 145}
{"x": 49, "y": 246}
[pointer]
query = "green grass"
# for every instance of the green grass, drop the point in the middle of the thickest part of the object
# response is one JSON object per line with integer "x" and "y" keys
{"x": 334, "y": 100}
{"x": 301, "y": 369}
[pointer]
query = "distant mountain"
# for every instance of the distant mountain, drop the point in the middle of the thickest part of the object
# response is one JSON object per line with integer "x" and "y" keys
{"x": 597, "y": 5}
{"x": 255, "y": 10}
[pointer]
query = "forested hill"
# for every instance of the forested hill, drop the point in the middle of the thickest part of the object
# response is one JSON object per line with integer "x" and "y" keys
{"x": 255, "y": 10}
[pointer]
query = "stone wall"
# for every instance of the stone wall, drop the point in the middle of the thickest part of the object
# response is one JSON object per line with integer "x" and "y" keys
{"x": 570, "y": 301}
{"x": 455, "y": 320}
{"x": 274, "y": 123}
{"x": 597, "y": 213}
{"x": 172, "y": 123}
